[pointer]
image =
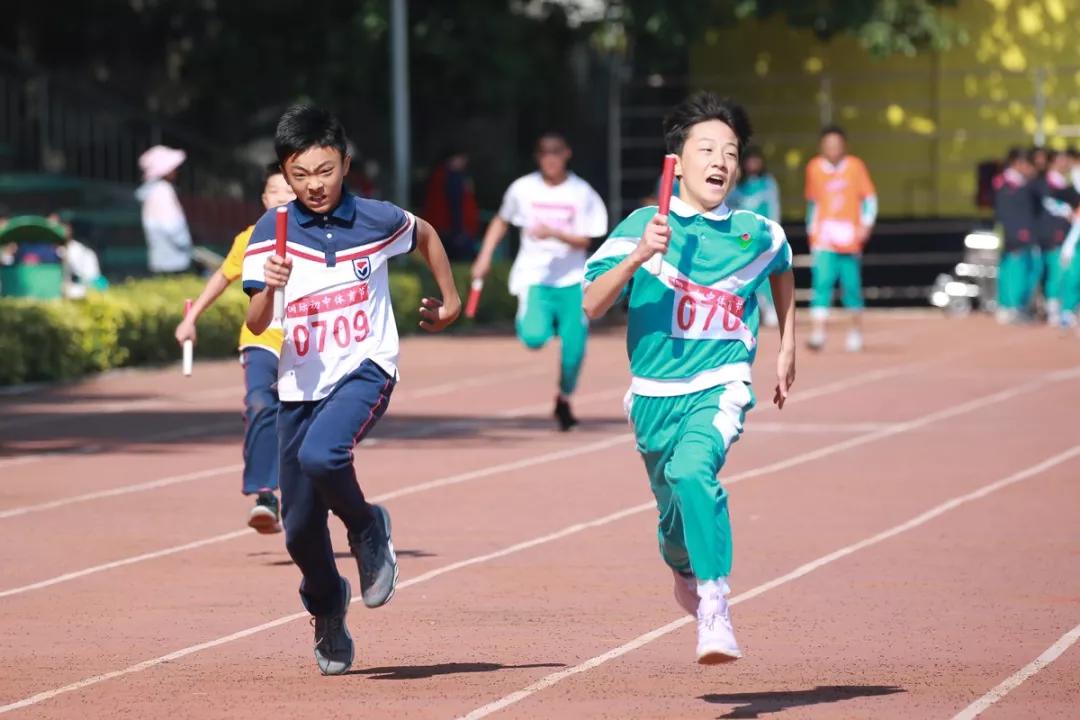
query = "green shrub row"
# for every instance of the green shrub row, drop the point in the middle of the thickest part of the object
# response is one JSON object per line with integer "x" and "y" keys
{"x": 133, "y": 322}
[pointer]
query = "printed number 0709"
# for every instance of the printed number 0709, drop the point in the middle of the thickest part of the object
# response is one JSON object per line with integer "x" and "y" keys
{"x": 342, "y": 331}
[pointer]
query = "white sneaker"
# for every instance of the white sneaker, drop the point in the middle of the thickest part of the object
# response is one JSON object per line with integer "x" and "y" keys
{"x": 1005, "y": 316}
{"x": 1068, "y": 319}
{"x": 1053, "y": 313}
{"x": 854, "y": 343}
{"x": 816, "y": 341}
{"x": 716, "y": 638}
{"x": 768, "y": 316}
{"x": 686, "y": 592}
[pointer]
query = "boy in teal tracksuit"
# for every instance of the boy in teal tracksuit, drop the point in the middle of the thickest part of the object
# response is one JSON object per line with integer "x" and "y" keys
{"x": 691, "y": 338}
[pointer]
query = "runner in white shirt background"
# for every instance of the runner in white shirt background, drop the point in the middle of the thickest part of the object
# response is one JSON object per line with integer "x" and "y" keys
{"x": 558, "y": 214}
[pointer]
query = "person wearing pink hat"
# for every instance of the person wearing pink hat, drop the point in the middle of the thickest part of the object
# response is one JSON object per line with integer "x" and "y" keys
{"x": 168, "y": 239}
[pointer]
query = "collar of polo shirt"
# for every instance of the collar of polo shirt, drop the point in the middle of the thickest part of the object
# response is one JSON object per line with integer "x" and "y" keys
{"x": 343, "y": 214}
{"x": 682, "y": 209}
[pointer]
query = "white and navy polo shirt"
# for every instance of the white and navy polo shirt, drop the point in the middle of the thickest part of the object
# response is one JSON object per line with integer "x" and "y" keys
{"x": 338, "y": 312}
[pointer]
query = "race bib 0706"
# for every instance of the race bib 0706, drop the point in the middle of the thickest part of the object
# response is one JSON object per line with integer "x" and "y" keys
{"x": 331, "y": 322}
{"x": 705, "y": 313}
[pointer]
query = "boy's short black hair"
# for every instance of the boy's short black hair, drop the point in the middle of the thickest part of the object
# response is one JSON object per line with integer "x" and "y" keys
{"x": 832, "y": 130}
{"x": 552, "y": 135}
{"x": 753, "y": 151}
{"x": 303, "y": 127}
{"x": 271, "y": 169}
{"x": 703, "y": 107}
{"x": 1015, "y": 155}
{"x": 1073, "y": 153}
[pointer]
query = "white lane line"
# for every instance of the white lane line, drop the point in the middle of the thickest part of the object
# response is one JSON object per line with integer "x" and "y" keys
{"x": 612, "y": 441}
{"x": 423, "y": 431}
{"x": 805, "y": 569}
{"x": 113, "y": 407}
{"x": 477, "y": 381}
{"x": 122, "y": 490}
{"x": 236, "y": 390}
{"x": 66, "y": 577}
{"x": 457, "y": 479}
{"x": 190, "y": 650}
{"x": 812, "y": 428}
{"x": 442, "y": 482}
{"x": 626, "y": 512}
{"x": 1014, "y": 681}
{"x": 180, "y": 433}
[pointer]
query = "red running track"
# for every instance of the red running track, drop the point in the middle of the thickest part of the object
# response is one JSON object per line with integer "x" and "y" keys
{"x": 906, "y": 545}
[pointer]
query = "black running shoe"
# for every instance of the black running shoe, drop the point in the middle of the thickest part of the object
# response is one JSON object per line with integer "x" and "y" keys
{"x": 563, "y": 415}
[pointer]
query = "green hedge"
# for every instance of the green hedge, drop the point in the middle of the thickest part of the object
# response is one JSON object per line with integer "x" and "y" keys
{"x": 133, "y": 323}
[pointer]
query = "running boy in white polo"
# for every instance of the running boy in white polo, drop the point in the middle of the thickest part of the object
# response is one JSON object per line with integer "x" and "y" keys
{"x": 559, "y": 214}
{"x": 692, "y": 337}
{"x": 338, "y": 363}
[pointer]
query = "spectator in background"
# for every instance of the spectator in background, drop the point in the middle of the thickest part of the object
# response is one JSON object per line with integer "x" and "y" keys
{"x": 758, "y": 192}
{"x": 168, "y": 238}
{"x": 841, "y": 209}
{"x": 1040, "y": 159}
{"x": 1074, "y": 167}
{"x": 82, "y": 271}
{"x": 1057, "y": 197}
{"x": 7, "y": 250}
{"x": 450, "y": 205}
{"x": 1016, "y": 212}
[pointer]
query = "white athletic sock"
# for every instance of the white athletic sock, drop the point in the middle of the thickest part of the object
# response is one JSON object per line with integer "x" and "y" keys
{"x": 708, "y": 588}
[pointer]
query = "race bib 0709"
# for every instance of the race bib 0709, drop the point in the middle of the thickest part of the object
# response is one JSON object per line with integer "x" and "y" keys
{"x": 331, "y": 322}
{"x": 701, "y": 312}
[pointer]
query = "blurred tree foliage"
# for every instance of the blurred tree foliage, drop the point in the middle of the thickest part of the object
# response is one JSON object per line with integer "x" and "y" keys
{"x": 500, "y": 70}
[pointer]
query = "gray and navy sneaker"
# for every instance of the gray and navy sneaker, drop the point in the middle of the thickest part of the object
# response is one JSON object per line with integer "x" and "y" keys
{"x": 374, "y": 553}
{"x": 334, "y": 648}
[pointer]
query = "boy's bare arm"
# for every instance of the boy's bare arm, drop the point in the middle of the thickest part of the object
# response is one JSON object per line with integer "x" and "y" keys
{"x": 783, "y": 289}
{"x": 496, "y": 231}
{"x": 214, "y": 287}
{"x": 603, "y": 292}
{"x": 437, "y": 313}
{"x": 260, "y": 311}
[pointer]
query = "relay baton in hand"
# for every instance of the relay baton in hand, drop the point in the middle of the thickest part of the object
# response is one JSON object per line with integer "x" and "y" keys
{"x": 189, "y": 350}
{"x": 474, "y": 297}
{"x": 281, "y": 231}
{"x": 667, "y": 183}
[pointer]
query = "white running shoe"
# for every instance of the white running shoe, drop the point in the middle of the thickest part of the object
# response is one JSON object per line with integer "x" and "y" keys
{"x": 768, "y": 316}
{"x": 816, "y": 341}
{"x": 716, "y": 638}
{"x": 686, "y": 592}
{"x": 854, "y": 342}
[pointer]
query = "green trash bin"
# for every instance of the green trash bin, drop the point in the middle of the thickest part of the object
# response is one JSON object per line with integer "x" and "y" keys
{"x": 26, "y": 278}
{"x": 42, "y": 282}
